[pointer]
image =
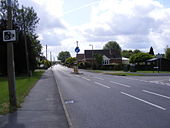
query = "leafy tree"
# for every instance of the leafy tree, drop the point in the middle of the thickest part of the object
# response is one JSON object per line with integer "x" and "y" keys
{"x": 151, "y": 52}
{"x": 136, "y": 51}
{"x": 23, "y": 19}
{"x": 63, "y": 55}
{"x": 112, "y": 45}
{"x": 98, "y": 59}
{"x": 167, "y": 53}
{"x": 127, "y": 53}
{"x": 70, "y": 61}
{"x": 140, "y": 57}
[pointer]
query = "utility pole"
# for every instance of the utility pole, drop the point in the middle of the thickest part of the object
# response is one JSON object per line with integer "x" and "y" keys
{"x": 50, "y": 57}
{"x": 92, "y": 55}
{"x": 46, "y": 51}
{"x": 26, "y": 46}
{"x": 10, "y": 63}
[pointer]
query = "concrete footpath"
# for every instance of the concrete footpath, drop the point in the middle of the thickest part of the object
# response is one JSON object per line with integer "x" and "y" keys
{"x": 42, "y": 107}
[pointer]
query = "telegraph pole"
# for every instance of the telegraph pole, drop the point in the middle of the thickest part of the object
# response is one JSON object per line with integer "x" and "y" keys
{"x": 46, "y": 51}
{"x": 26, "y": 46}
{"x": 10, "y": 63}
{"x": 50, "y": 57}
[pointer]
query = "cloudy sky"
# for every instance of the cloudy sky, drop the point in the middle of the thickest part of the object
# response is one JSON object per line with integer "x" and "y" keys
{"x": 134, "y": 24}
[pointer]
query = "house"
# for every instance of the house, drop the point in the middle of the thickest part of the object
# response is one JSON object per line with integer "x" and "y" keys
{"x": 125, "y": 60}
{"x": 162, "y": 64}
{"x": 109, "y": 56}
{"x": 80, "y": 57}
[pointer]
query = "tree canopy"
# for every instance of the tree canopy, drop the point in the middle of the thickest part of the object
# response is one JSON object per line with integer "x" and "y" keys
{"x": 70, "y": 61}
{"x": 127, "y": 53}
{"x": 63, "y": 55}
{"x": 24, "y": 19}
{"x": 167, "y": 53}
{"x": 151, "y": 51}
{"x": 98, "y": 59}
{"x": 140, "y": 57}
{"x": 112, "y": 45}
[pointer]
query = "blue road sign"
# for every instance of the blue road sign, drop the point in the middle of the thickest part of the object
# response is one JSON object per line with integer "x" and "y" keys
{"x": 77, "y": 49}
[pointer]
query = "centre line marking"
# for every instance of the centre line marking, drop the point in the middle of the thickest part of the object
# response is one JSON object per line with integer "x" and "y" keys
{"x": 98, "y": 78}
{"x": 156, "y": 94}
{"x": 102, "y": 85}
{"x": 157, "y": 106}
{"x": 120, "y": 84}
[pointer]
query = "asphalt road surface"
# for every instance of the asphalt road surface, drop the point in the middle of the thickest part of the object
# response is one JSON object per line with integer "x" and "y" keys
{"x": 96, "y": 100}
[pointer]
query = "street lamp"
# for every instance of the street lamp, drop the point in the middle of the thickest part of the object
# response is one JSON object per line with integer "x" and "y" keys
{"x": 92, "y": 55}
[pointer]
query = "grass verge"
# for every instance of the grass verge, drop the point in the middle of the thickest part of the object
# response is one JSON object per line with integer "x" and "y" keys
{"x": 23, "y": 86}
{"x": 153, "y": 72}
{"x": 125, "y": 74}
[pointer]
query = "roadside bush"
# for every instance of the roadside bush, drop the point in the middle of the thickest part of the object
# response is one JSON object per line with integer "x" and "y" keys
{"x": 111, "y": 67}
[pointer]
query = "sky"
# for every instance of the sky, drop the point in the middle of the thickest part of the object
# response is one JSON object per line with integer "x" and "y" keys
{"x": 134, "y": 24}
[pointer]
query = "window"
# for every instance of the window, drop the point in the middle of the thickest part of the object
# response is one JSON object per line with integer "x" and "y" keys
{"x": 105, "y": 62}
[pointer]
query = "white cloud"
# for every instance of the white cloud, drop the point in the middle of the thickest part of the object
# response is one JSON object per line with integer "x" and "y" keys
{"x": 135, "y": 24}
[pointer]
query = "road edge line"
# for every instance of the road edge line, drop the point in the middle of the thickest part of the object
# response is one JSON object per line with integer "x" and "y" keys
{"x": 64, "y": 106}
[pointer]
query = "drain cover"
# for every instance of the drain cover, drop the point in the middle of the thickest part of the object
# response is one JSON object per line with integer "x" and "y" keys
{"x": 69, "y": 101}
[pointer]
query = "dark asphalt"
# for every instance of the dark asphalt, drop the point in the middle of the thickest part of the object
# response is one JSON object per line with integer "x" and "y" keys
{"x": 106, "y": 101}
{"x": 42, "y": 108}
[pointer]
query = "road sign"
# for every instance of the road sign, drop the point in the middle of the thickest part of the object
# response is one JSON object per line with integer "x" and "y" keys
{"x": 9, "y": 35}
{"x": 77, "y": 49}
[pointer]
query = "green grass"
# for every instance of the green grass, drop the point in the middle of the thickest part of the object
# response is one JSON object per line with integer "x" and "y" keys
{"x": 152, "y": 71}
{"x": 23, "y": 86}
{"x": 125, "y": 74}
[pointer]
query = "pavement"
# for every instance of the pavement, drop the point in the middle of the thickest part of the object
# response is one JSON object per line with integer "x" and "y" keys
{"x": 42, "y": 108}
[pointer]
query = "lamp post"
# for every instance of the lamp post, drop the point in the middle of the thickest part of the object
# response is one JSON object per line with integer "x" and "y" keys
{"x": 92, "y": 55}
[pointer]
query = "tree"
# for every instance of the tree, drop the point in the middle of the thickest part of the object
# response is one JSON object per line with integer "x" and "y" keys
{"x": 167, "y": 53}
{"x": 151, "y": 52}
{"x": 127, "y": 53}
{"x": 112, "y": 45}
{"x": 98, "y": 59}
{"x": 70, "y": 61}
{"x": 29, "y": 23}
{"x": 140, "y": 57}
{"x": 63, "y": 55}
{"x": 136, "y": 51}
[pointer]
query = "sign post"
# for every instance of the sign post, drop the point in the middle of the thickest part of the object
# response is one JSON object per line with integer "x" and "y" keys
{"x": 10, "y": 36}
{"x": 77, "y": 50}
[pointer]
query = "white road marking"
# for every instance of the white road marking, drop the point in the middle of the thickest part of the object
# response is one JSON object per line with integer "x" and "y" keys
{"x": 77, "y": 76}
{"x": 82, "y": 77}
{"x": 161, "y": 80}
{"x": 161, "y": 83}
{"x": 120, "y": 84}
{"x": 156, "y": 94}
{"x": 102, "y": 85}
{"x": 144, "y": 81}
{"x": 86, "y": 78}
{"x": 98, "y": 78}
{"x": 167, "y": 84}
{"x": 157, "y": 106}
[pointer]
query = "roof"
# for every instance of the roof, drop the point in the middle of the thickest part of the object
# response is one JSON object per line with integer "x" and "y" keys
{"x": 107, "y": 53}
{"x": 125, "y": 59}
{"x": 155, "y": 59}
{"x": 80, "y": 56}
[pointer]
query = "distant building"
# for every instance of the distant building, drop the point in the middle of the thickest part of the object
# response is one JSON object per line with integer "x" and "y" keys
{"x": 109, "y": 56}
{"x": 80, "y": 57}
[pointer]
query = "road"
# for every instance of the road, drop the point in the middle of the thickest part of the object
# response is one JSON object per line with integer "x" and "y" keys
{"x": 95, "y": 100}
